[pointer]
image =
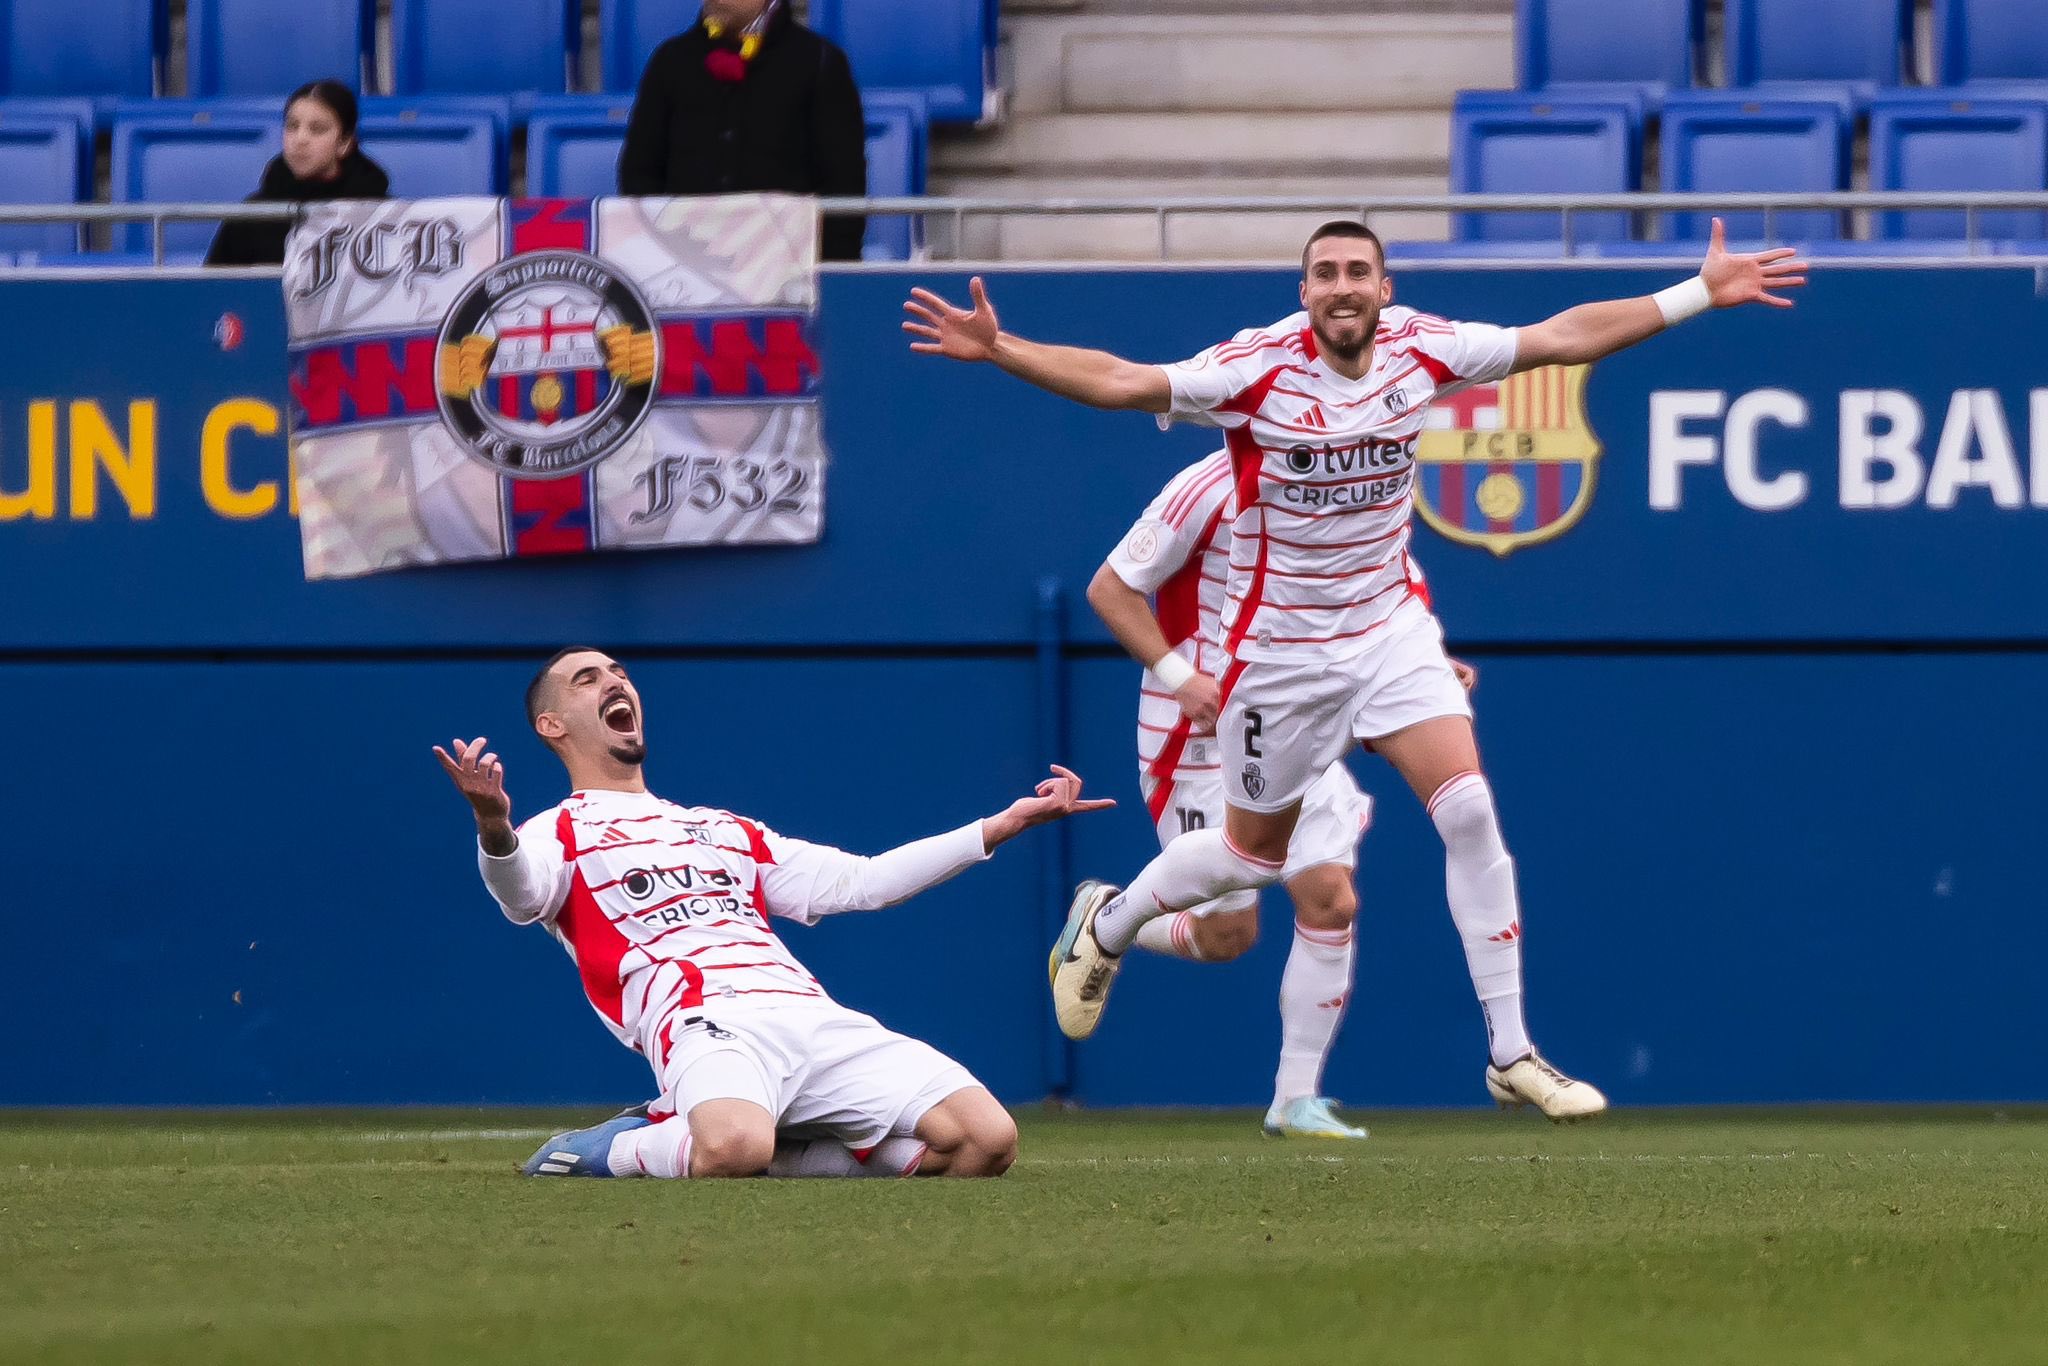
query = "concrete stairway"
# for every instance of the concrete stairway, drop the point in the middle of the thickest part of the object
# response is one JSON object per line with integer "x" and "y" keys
{"x": 1115, "y": 98}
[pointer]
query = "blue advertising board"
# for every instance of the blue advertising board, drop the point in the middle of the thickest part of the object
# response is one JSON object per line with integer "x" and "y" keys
{"x": 1755, "y": 609}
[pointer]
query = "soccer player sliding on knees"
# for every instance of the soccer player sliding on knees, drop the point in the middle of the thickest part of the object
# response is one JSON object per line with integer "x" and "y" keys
{"x": 664, "y": 910}
{"x": 1328, "y": 635}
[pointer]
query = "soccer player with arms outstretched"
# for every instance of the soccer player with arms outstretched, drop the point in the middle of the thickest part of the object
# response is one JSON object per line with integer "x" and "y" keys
{"x": 1328, "y": 629}
{"x": 1161, "y": 593}
{"x": 665, "y": 911}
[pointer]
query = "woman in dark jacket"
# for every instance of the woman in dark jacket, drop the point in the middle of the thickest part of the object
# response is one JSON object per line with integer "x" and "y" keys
{"x": 320, "y": 161}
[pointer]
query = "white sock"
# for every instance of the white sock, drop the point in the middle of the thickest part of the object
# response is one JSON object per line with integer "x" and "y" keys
{"x": 1313, "y": 991}
{"x": 896, "y": 1155}
{"x": 1171, "y": 935}
{"x": 1199, "y": 866}
{"x": 1479, "y": 881}
{"x": 658, "y": 1150}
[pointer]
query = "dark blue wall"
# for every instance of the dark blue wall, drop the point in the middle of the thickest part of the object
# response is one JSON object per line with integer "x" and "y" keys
{"x": 1768, "y": 775}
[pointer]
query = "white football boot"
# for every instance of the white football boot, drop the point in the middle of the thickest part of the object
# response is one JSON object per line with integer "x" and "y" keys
{"x": 1309, "y": 1117}
{"x": 1532, "y": 1081}
{"x": 1081, "y": 972}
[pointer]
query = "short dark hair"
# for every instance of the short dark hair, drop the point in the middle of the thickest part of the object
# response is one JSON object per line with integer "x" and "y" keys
{"x": 537, "y": 691}
{"x": 1343, "y": 227}
{"x": 338, "y": 98}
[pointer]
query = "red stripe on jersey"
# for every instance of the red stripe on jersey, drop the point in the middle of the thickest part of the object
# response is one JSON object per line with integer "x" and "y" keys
{"x": 1330, "y": 545}
{"x": 1248, "y": 402}
{"x": 758, "y": 842}
{"x": 1333, "y": 606}
{"x": 735, "y": 967}
{"x": 731, "y": 944}
{"x": 1288, "y": 574}
{"x": 1177, "y": 606}
{"x": 773, "y": 991}
{"x": 1162, "y": 768}
{"x": 1341, "y": 512}
{"x": 1203, "y": 478}
{"x": 595, "y": 942}
{"x": 1341, "y": 635}
{"x": 1245, "y": 454}
{"x": 1438, "y": 371}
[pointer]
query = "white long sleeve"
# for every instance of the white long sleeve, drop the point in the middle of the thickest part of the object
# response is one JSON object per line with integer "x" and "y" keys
{"x": 531, "y": 882}
{"x": 807, "y": 881}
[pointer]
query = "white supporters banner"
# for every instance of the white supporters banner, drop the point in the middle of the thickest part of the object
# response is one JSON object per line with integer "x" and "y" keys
{"x": 478, "y": 379}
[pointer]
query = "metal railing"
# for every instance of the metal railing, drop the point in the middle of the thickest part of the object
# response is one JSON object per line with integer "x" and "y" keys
{"x": 957, "y": 212}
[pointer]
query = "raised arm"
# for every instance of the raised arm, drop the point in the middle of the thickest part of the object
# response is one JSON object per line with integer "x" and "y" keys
{"x": 806, "y": 881}
{"x": 527, "y": 878}
{"x": 1129, "y": 617}
{"x": 1592, "y": 331}
{"x": 1095, "y": 378}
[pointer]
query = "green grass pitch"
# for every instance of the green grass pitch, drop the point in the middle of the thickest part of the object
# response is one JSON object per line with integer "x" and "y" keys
{"x": 1662, "y": 1237}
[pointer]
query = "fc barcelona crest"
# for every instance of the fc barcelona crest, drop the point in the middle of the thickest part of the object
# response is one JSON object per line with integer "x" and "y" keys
{"x": 1510, "y": 464}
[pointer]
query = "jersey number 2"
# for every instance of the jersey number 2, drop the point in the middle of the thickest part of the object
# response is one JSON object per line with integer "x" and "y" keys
{"x": 1254, "y": 726}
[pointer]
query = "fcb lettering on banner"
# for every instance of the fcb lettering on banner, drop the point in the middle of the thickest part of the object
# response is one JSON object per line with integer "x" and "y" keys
{"x": 1510, "y": 464}
{"x": 483, "y": 379}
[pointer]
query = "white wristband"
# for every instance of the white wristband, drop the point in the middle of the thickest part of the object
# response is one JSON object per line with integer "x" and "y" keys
{"x": 1173, "y": 671}
{"x": 1682, "y": 301}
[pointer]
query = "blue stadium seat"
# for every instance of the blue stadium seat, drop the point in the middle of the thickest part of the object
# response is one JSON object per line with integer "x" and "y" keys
{"x": 433, "y": 147}
{"x": 41, "y": 162}
{"x": 1932, "y": 248}
{"x": 572, "y": 145}
{"x": 1842, "y": 50}
{"x": 630, "y": 30}
{"x": 1541, "y": 146}
{"x": 267, "y": 47}
{"x": 1998, "y": 41}
{"x": 481, "y": 47}
{"x": 1726, "y": 143}
{"x": 106, "y": 49}
{"x": 896, "y": 151}
{"x": 188, "y": 155}
{"x": 1644, "y": 47}
{"x": 943, "y": 49}
{"x": 1959, "y": 144}
{"x": 1401, "y": 253}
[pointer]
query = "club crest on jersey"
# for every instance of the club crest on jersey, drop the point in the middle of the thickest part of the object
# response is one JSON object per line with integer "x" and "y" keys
{"x": 1510, "y": 464}
{"x": 1254, "y": 781}
{"x": 546, "y": 364}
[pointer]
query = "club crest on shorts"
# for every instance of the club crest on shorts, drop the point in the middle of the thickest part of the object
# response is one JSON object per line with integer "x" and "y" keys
{"x": 1254, "y": 781}
{"x": 546, "y": 364}
{"x": 1509, "y": 464}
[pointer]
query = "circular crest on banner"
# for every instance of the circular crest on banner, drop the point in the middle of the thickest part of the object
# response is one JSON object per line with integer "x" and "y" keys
{"x": 546, "y": 364}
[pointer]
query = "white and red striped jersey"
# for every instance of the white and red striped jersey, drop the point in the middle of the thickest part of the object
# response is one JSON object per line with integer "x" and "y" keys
{"x": 1179, "y": 552}
{"x": 663, "y": 906}
{"x": 1324, "y": 470}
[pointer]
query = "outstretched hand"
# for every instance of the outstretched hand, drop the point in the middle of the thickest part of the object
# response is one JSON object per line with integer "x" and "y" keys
{"x": 1733, "y": 279}
{"x": 479, "y": 777}
{"x": 1056, "y": 798}
{"x": 960, "y": 333}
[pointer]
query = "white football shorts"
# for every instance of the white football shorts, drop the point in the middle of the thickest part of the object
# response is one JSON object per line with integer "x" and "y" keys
{"x": 1334, "y": 816}
{"x": 814, "y": 1065}
{"x": 1283, "y": 725}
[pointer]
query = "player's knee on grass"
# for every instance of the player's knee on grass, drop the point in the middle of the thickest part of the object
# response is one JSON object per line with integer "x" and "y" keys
{"x": 730, "y": 1138}
{"x": 1226, "y": 934}
{"x": 1324, "y": 898}
{"x": 969, "y": 1134}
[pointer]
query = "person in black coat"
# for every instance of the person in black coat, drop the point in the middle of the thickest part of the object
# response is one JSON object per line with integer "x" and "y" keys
{"x": 320, "y": 161}
{"x": 750, "y": 100}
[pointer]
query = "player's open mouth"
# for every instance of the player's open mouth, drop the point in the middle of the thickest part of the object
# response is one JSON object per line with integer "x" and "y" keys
{"x": 618, "y": 715}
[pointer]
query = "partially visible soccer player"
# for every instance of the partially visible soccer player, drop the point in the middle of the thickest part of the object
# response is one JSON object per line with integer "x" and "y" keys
{"x": 664, "y": 910}
{"x": 1160, "y": 592}
{"x": 1330, "y": 638}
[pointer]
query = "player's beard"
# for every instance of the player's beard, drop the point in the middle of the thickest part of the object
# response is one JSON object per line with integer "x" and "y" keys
{"x": 1348, "y": 351}
{"x": 632, "y": 752}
